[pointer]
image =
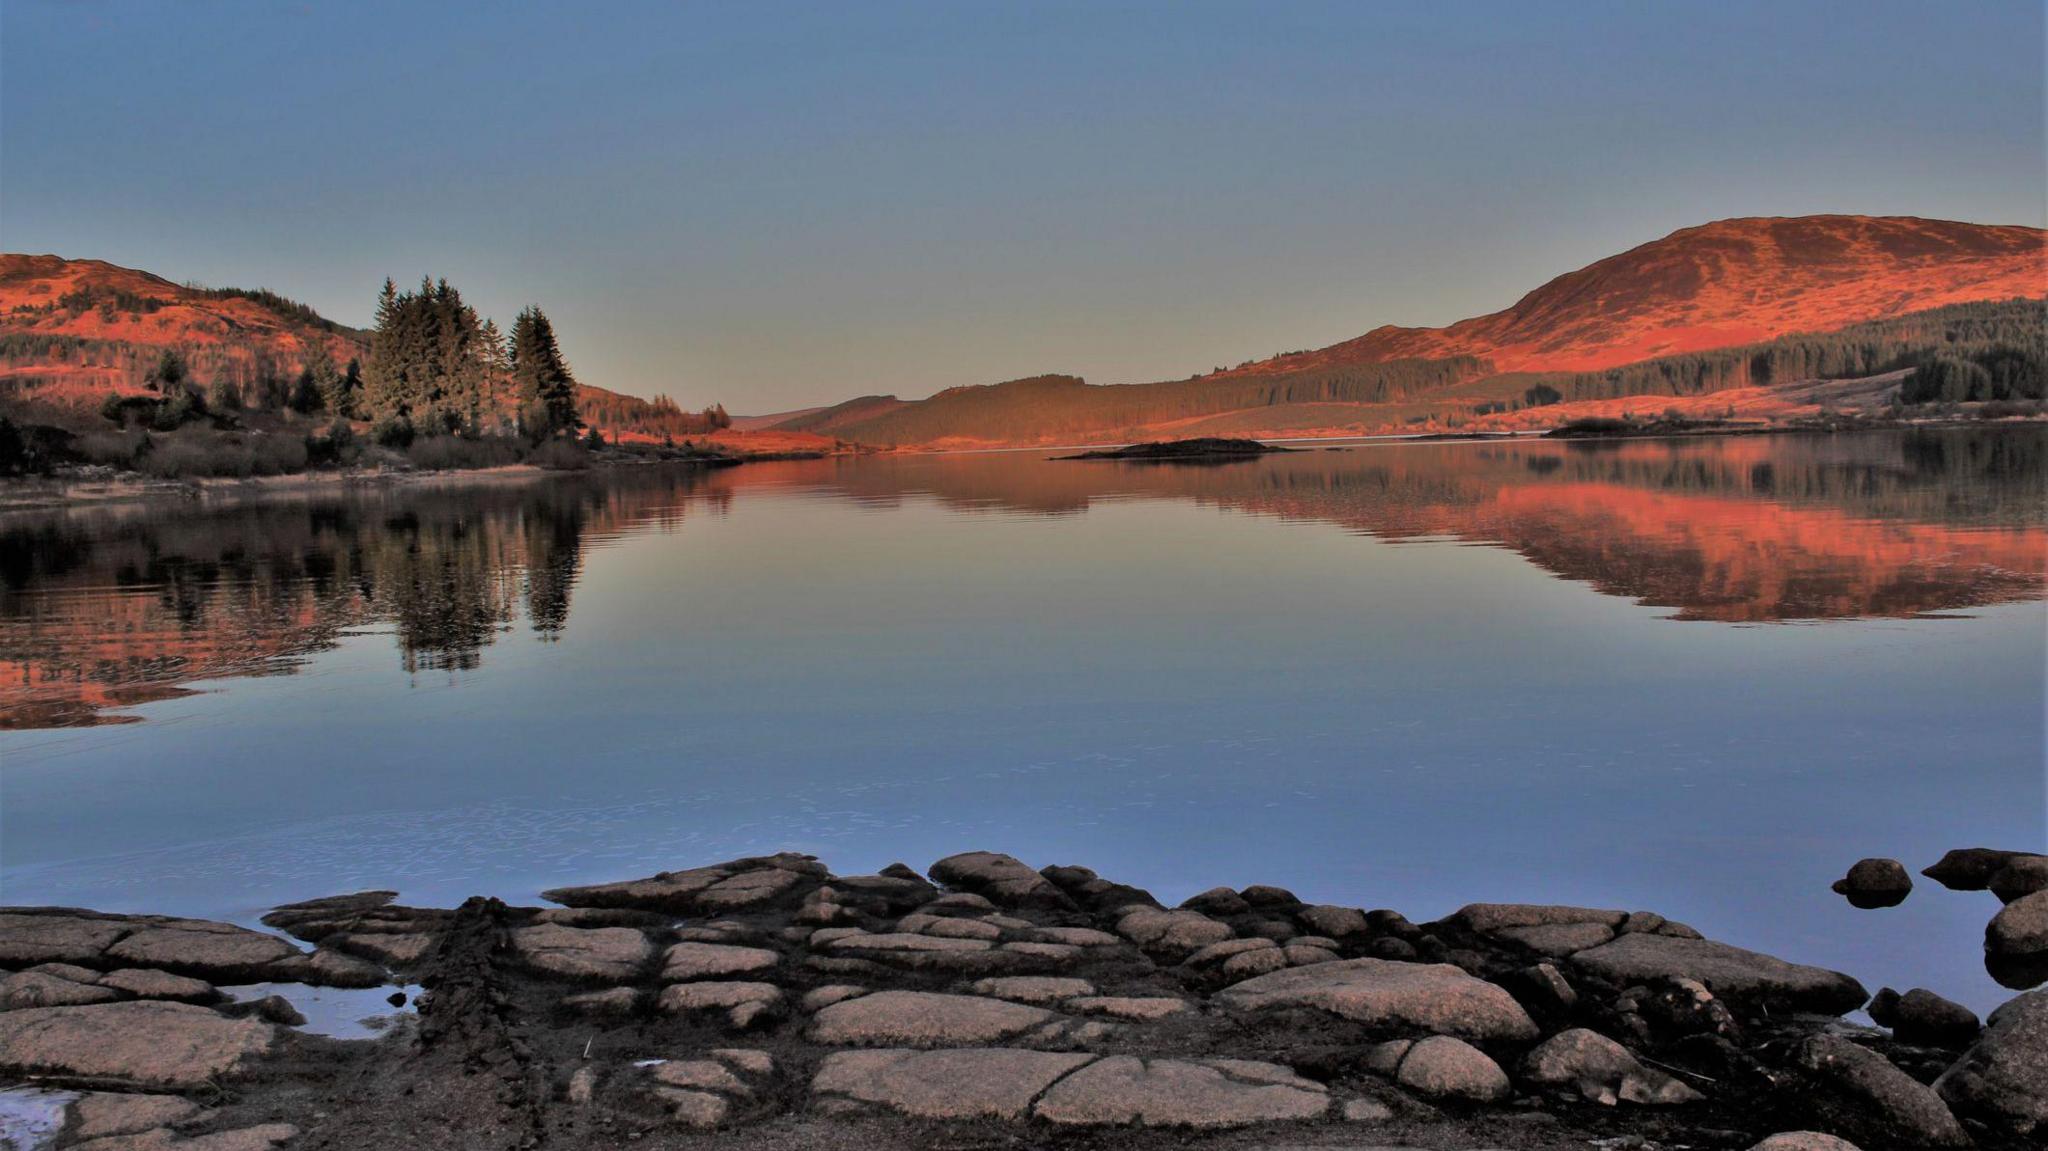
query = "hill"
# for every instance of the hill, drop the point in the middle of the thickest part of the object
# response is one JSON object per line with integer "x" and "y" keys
{"x": 1682, "y": 316}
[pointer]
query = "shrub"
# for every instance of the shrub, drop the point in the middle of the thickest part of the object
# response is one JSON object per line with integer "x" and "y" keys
{"x": 443, "y": 453}
{"x": 392, "y": 432}
{"x": 560, "y": 456}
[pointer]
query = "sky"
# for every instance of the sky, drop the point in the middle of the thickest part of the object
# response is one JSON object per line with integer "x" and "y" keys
{"x": 779, "y": 205}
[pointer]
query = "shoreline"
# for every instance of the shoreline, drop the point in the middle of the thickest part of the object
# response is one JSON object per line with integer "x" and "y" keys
{"x": 765, "y": 1002}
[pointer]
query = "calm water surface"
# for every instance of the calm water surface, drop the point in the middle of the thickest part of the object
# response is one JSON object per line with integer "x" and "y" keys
{"x": 1699, "y": 677}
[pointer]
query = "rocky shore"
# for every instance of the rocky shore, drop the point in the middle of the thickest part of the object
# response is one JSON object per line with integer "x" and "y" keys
{"x": 766, "y": 1003}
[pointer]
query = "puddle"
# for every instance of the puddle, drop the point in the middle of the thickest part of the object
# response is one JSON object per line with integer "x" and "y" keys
{"x": 30, "y": 1117}
{"x": 338, "y": 1012}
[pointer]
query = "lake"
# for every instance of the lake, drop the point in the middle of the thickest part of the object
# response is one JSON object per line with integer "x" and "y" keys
{"x": 1697, "y": 676}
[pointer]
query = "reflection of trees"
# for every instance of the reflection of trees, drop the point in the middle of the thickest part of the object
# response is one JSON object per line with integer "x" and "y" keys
{"x": 106, "y": 608}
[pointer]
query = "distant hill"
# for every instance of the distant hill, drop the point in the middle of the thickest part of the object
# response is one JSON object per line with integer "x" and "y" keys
{"x": 73, "y": 332}
{"x": 1729, "y": 284}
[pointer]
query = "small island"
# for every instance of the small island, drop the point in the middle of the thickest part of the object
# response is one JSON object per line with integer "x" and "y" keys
{"x": 1205, "y": 449}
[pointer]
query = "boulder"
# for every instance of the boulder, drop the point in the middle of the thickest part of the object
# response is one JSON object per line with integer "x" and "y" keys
{"x": 1557, "y": 940}
{"x": 1331, "y": 921}
{"x": 1138, "y": 1009}
{"x": 744, "y": 1004}
{"x": 1730, "y": 972}
{"x": 1217, "y": 901}
{"x": 1862, "y": 1093}
{"x": 57, "y": 935}
{"x": 2002, "y": 1080}
{"x": 221, "y": 952}
{"x": 2016, "y": 942}
{"x": 1171, "y": 935}
{"x": 145, "y": 1043}
{"x": 1001, "y": 879}
{"x": 1210, "y": 1093}
{"x": 925, "y": 1019}
{"x": 1804, "y": 1141}
{"x": 1924, "y": 1019}
{"x": 687, "y": 961}
{"x": 1441, "y": 1067}
{"x": 38, "y": 987}
{"x": 2021, "y": 876}
{"x": 969, "y": 1083}
{"x": 1873, "y": 883}
{"x": 1601, "y": 1070}
{"x": 605, "y": 954}
{"x": 741, "y": 884}
{"x": 1381, "y": 993}
{"x": 1970, "y": 868}
{"x": 1489, "y": 918}
{"x": 1077, "y": 937}
{"x": 101, "y": 1114}
{"x": 143, "y": 983}
{"x": 1033, "y": 988}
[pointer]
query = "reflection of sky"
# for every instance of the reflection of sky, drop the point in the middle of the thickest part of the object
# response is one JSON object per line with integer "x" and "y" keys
{"x": 1176, "y": 695}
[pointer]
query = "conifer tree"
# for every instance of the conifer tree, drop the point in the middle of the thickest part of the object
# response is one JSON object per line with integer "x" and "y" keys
{"x": 547, "y": 392}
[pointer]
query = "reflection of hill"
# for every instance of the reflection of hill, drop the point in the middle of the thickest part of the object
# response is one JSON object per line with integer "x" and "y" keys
{"x": 1727, "y": 529}
{"x": 110, "y": 608}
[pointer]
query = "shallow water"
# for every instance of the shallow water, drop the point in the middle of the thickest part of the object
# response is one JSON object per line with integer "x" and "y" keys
{"x": 1699, "y": 676}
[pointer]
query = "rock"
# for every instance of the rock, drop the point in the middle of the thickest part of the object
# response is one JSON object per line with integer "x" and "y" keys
{"x": 1077, "y": 937}
{"x": 829, "y": 994}
{"x": 1542, "y": 988}
{"x": 1863, "y": 1094}
{"x": 1303, "y": 954}
{"x": 39, "y": 988}
{"x": 686, "y": 961}
{"x": 2002, "y": 1080}
{"x": 740, "y": 884}
{"x": 607, "y": 954}
{"x": 146, "y": 1043}
{"x": 2021, "y": 876}
{"x": 1489, "y": 918}
{"x": 99, "y": 1114}
{"x": 1334, "y": 922}
{"x": 1875, "y": 883}
{"x": 217, "y": 951}
{"x": 582, "y": 1086}
{"x": 965, "y": 929}
{"x": 1804, "y": 1141}
{"x": 1171, "y": 935}
{"x": 1601, "y": 1070}
{"x": 1731, "y": 972}
{"x": 269, "y": 1008}
{"x": 1123, "y": 1089}
{"x": 924, "y": 1019}
{"x": 693, "y": 1108}
{"x": 329, "y": 968}
{"x": 1379, "y": 993}
{"x": 1033, "y": 988}
{"x": 1000, "y": 878}
{"x": 613, "y": 1001}
{"x": 1922, "y": 1018}
{"x": 258, "y": 1138}
{"x": 2016, "y": 942}
{"x": 1214, "y": 954}
{"x": 1265, "y": 895}
{"x": 1441, "y": 1067}
{"x": 1970, "y": 868}
{"x": 1217, "y": 901}
{"x": 971, "y": 1083}
{"x": 57, "y": 935}
{"x": 1366, "y": 1111}
{"x": 699, "y": 1074}
{"x": 746, "y": 1059}
{"x": 400, "y": 949}
{"x": 1557, "y": 940}
{"x": 1250, "y": 964}
{"x": 1141, "y": 1009}
{"x": 145, "y": 984}
{"x": 743, "y": 1003}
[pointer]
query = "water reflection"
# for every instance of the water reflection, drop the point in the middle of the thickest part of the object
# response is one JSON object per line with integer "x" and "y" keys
{"x": 102, "y": 609}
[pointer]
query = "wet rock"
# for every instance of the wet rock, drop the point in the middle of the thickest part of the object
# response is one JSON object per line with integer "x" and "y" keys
{"x": 1001, "y": 879}
{"x": 1141, "y": 1009}
{"x": 1731, "y": 972}
{"x": 1441, "y": 1067}
{"x": 744, "y": 1004}
{"x": 1873, "y": 883}
{"x": 1804, "y": 1141}
{"x": 2002, "y": 1080}
{"x": 39, "y": 988}
{"x": 146, "y": 1043}
{"x": 971, "y": 1083}
{"x": 606, "y": 954}
{"x": 100, "y": 1114}
{"x": 1041, "y": 989}
{"x": 1334, "y": 922}
{"x": 686, "y": 961}
{"x": 1171, "y": 935}
{"x": 2016, "y": 942}
{"x": 1922, "y": 1018}
{"x": 1491, "y": 918}
{"x": 925, "y": 1019}
{"x": 1863, "y": 1094}
{"x": 1601, "y": 1070}
{"x": 145, "y": 984}
{"x": 2022, "y": 875}
{"x": 741, "y": 884}
{"x": 1432, "y": 997}
{"x": 1121, "y": 1090}
{"x": 1970, "y": 868}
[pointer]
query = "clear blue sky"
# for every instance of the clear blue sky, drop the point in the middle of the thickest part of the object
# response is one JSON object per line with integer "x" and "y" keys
{"x": 776, "y": 205}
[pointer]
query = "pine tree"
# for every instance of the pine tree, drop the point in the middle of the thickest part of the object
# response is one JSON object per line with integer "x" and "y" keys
{"x": 547, "y": 392}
